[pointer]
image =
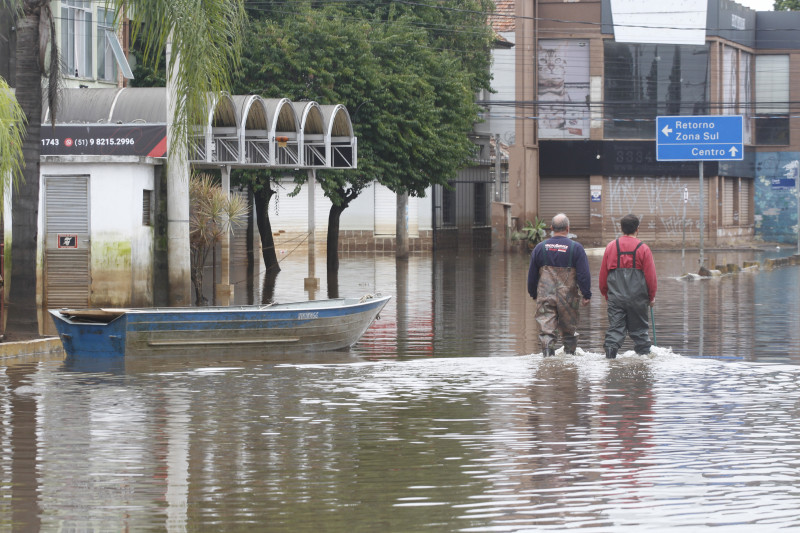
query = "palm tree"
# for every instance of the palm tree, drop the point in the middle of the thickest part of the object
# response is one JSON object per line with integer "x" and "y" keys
{"x": 12, "y": 130}
{"x": 204, "y": 40}
{"x": 212, "y": 214}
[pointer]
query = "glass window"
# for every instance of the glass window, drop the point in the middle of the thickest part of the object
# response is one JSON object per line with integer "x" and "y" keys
{"x": 773, "y": 130}
{"x": 772, "y": 100}
{"x": 772, "y": 84}
{"x": 106, "y": 65}
{"x": 643, "y": 81}
{"x": 737, "y": 96}
{"x": 76, "y": 37}
{"x": 746, "y": 95}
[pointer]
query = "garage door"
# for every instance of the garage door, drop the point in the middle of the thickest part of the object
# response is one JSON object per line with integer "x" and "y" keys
{"x": 565, "y": 195}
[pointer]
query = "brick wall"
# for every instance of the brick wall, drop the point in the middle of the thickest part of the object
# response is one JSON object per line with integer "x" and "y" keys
{"x": 366, "y": 241}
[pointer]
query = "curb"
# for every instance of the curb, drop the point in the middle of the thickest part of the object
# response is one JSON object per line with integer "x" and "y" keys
{"x": 38, "y": 349}
{"x": 749, "y": 266}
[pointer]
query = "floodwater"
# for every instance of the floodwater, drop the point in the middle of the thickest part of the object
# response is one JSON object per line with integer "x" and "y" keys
{"x": 444, "y": 417}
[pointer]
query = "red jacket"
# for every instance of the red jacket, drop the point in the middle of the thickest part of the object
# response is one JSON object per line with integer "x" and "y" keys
{"x": 644, "y": 262}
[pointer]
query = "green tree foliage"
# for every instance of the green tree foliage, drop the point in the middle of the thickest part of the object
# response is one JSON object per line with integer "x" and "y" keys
{"x": 407, "y": 74}
{"x": 12, "y": 131}
{"x": 786, "y": 5}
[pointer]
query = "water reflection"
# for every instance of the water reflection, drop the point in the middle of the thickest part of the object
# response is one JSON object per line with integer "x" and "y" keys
{"x": 442, "y": 418}
{"x": 470, "y": 444}
{"x": 451, "y": 305}
{"x": 626, "y": 414}
{"x": 20, "y": 444}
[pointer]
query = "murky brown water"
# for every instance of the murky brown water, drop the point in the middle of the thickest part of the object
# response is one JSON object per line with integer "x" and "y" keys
{"x": 444, "y": 418}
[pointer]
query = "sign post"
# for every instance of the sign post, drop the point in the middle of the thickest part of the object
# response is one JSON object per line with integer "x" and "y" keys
{"x": 700, "y": 138}
{"x": 702, "y": 211}
{"x": 683, "y": 225}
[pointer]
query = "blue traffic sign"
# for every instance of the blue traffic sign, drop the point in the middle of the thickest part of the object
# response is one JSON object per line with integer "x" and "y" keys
{"x": 699, "y": 138}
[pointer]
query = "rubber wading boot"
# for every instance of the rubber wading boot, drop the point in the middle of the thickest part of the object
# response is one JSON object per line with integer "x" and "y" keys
{"x": 570, "y": 344}
{"x": 611, "y": 353}
{"x": 547, "y": 350}
{"x": 643, "y": 352}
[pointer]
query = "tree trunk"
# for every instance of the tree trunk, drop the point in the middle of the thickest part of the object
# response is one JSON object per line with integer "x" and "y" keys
{"x": 23, "y": 322}
{"x": 197, "y": 284}
{"x": 268, "y": 286}
{"x": 333, "y": 284}
{"x": 333, "y": 236}
{"x": 262, "y": 198}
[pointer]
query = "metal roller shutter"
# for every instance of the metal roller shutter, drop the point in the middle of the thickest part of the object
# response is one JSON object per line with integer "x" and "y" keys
{"x": 239, "y": 236}
{"x": 746, "y": 202}
{"x": 565, "y": 195}
{"x": 66, "y": 268}
{"x": 729, "y": 186}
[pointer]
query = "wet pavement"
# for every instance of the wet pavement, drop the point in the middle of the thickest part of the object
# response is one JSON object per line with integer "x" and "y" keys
{"x": 444, "y": 418}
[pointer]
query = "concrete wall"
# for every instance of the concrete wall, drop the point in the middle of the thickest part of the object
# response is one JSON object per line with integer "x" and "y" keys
{"x": 775, "y": 201}
{"x": 500, "y": 118}
{"x": 121, "y": 253}
{"x": 371, "y": 216}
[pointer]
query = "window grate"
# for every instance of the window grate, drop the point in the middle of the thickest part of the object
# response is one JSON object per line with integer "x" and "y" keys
{"x": 147, "y": 211}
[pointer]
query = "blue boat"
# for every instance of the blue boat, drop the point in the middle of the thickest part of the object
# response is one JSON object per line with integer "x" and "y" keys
{"x": 289, "y": 328}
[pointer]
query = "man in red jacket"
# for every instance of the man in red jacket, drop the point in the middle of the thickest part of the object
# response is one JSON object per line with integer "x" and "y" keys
{"x": 628, "y": 282}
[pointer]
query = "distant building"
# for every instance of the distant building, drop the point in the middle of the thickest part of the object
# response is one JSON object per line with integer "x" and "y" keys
{"x": 605, "y": 69}
{"x": 94, "y": 50}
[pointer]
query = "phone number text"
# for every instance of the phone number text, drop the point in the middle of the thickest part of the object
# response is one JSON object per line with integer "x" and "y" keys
{"x": 100, "y": 141}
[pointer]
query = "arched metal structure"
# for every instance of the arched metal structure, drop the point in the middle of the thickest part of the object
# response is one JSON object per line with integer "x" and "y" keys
{"x": 340, "y": 143}
{"x": 240, "y": 130}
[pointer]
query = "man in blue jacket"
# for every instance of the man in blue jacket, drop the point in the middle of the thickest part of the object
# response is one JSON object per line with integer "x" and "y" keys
{"x": 560, "y": 282}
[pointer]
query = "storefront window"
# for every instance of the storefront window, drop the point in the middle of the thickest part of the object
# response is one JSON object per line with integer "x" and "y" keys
{"x": 643, "y": 81}
{"x": 772, "y": 100}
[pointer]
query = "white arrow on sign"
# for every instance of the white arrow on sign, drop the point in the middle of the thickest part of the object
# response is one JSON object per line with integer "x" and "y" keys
{"x": 667, "y": 130}
{"x": 733, "y": 151}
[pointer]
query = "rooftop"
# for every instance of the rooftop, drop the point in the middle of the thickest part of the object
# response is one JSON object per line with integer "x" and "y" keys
{"x": 503, "y": 18}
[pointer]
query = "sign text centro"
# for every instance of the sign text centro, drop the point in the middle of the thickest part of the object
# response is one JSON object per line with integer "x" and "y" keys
{"x": 699, "y": 138}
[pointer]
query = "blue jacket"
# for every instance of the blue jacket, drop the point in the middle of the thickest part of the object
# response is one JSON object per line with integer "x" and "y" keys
{"x": 557, "y": 250}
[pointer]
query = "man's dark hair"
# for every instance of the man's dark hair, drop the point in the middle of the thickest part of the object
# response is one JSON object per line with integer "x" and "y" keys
{"x": 629, "y": 224}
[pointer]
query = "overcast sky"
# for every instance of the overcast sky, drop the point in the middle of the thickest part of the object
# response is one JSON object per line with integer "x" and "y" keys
{"x": 758, "y": 5}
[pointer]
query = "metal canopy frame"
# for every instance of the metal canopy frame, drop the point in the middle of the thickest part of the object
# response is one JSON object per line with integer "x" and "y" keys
{"x": 241, "y": 131}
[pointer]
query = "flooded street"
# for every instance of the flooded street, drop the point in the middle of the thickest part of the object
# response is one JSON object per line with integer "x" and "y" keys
{"x": 443, "y": 418}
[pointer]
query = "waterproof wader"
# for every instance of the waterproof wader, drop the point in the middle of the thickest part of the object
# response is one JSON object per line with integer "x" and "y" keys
{"x": 557, "y": 306}
{"x": 628, "y": 300}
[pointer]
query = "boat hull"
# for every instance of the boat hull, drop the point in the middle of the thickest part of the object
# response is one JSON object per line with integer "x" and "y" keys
{"x": 300, "y": 327}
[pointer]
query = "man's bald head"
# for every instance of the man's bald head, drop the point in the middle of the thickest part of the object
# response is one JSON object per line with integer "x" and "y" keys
{"x": 560, "y": 223}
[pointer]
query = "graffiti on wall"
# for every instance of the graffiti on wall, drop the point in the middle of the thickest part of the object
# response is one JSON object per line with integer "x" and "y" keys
{"x": 657, "y": 201}
{"x": 775, "y": 197}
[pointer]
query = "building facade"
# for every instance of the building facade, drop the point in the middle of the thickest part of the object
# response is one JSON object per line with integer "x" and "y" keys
{"x": 586, "y": 118}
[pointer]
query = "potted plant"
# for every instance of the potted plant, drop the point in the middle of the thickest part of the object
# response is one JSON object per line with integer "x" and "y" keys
{"x": 531, "y": 233}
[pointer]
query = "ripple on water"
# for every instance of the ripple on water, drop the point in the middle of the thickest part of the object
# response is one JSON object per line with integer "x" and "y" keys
{"x": 474, "y": 444}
